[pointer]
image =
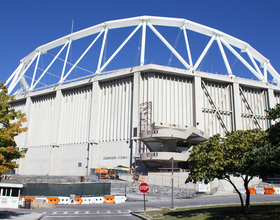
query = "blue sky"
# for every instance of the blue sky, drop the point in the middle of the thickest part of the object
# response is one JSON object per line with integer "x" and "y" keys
{"x": 25, "y": 25}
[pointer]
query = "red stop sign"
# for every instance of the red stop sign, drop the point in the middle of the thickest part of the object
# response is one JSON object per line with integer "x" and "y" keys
{"x": 143, "y": 187}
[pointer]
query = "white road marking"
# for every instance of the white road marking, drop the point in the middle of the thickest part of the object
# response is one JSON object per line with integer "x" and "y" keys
{"x": 65, "y": 213}
{"x": 76, "y": 213}
{"x": 82, "y": 216}
{"x": 87, "y": 212}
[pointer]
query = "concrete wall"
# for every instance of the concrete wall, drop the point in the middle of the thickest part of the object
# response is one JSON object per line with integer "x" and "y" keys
{"x": 50, "y": 160}
{"x": 179, "y": 178}
{"x": 115, "y": 106}
{"x": 110, "y": 154}
{"x": 96, "y": 121}
{"x": 171, "y": 97}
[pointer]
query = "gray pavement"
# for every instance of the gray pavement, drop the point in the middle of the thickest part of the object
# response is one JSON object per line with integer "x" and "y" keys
{"x": 135, "y": 203}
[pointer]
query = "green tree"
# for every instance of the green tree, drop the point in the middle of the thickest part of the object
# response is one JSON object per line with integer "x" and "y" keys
{"x": 243, "y": 154}
{"x": 274, "y": 130}
{"x": 10, "y": 126}
{"x": 274, "y": 137}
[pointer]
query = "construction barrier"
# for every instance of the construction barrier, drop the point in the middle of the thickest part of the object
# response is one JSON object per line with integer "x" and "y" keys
{"x": 53, "y": 200}
{"x": 259, "y": 191}
{"x": 252, "y": 191}
{"x": 277, "y": 191}
{"x": 119, "y": 199}
{"x": 270, "y": 191}
{"x": 78, "y": 200}
{"x": 63, "y": 200}
{"x": 109, "y": 199}
{"x": 98, "y": 200}
{"x": 88, "y": 200}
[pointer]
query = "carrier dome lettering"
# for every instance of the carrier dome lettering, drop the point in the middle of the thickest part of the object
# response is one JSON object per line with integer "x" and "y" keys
{"x": 114, "y": 158}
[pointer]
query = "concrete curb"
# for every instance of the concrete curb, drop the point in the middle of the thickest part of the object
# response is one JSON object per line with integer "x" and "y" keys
{"x": 31, "y": 216}
{"x": 139, "y": 216}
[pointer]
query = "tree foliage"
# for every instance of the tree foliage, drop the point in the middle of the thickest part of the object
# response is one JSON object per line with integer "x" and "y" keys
{"x": 10, "y": 126}
{"x": 274, "y": 113}
{"x": 243, "y": 154}
{"x": 274, "y": 130}
{"x": 274, "y": 137}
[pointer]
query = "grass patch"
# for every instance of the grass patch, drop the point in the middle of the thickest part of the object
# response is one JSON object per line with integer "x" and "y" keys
{"x": 258, "y": 211}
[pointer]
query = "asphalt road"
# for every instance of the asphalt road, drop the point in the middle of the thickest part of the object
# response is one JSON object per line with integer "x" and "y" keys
{"x": 123, "y": 210}
{"x": 87, "y": 216}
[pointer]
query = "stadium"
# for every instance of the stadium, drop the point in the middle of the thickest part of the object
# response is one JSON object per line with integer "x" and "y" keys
{"x": 136, "y": 92}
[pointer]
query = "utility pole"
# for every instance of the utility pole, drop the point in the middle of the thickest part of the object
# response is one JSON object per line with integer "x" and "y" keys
{"x": 172, "y": 181}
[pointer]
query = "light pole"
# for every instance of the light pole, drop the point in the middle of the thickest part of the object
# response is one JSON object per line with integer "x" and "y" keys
{"x": 172, "y": 179}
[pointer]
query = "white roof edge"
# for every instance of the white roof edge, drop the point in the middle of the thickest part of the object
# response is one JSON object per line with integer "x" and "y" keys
{"x": 11, "y": 185}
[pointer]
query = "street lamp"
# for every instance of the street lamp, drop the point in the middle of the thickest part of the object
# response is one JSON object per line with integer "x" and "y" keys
{"x": 172, "y": 179}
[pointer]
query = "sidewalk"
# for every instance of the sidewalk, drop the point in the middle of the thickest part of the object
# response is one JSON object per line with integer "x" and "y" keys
{"x": 20, "y": 216}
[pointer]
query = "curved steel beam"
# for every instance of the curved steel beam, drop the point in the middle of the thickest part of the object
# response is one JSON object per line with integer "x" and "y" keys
{"x": 229, "y": 41}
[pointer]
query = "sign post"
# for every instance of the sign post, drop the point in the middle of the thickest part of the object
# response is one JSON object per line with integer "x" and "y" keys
{"x": 144, "y": 188}
{"x": 172, "y": 181}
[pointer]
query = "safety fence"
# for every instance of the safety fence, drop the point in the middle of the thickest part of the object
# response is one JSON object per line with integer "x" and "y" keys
{"x": 78, "y": 189}
{"x": 64, "y": 200}
{"x": 270, "y": 190}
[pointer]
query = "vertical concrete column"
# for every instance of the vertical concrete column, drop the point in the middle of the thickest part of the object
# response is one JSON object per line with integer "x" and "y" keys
{"x": 93, "y": 132}
{"x": 135, "y": 117}
{"x": 237, "y": 119}
{"x": 24, "y": 143}
{"x": 28, "y": 103}
{"x": 55, "y": 132}
{"x": 94, "y": 113}
{"x": 56, "y": 120}
{"x": 198, "y": 104}
{"x": 271, "y": 98}
{"x": 56, "y": 117}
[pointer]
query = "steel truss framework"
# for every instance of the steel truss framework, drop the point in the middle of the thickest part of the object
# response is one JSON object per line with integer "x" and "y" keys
{"x": 254, "y": 118}
{"x": 216, "y": 108}
{"x": 219, "y": 112}
{"x": 223, "y": 40}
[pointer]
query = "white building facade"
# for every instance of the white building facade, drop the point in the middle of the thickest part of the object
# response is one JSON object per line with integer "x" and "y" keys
{"x": 76, "y": 127}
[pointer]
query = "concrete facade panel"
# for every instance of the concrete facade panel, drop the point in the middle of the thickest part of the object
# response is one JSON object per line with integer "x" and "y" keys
{"x": 217, "y": 107}
{"x": 253, "y": 106}
{"x": 40, "y": 120}
{"x": 20, "y": 106}
{"x": 50, "y": 160}
{"x": 171, "y": 97}
{"x": 74, "y": 115}
{"x": 115, "y": 109}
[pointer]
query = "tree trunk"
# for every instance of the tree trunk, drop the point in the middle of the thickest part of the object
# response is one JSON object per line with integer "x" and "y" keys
{"x": 240, "y": 196}
{"x": 246, "y": 183}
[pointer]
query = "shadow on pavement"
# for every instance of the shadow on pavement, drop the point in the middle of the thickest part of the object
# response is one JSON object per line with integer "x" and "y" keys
{"x": 10, "y": 214}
